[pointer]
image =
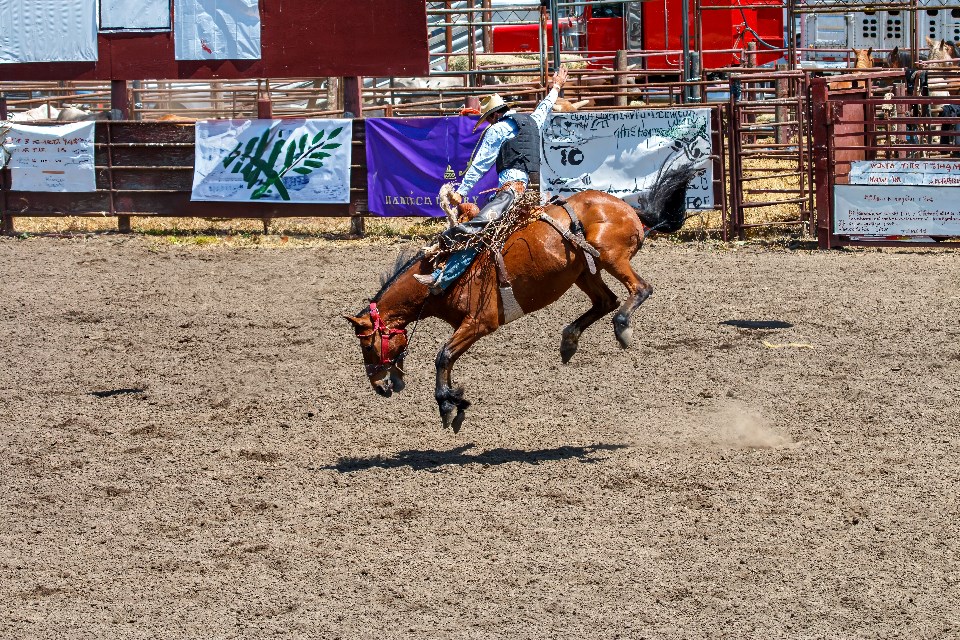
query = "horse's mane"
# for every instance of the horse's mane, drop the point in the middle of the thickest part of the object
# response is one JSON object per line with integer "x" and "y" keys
{"x": 404, "y": 260}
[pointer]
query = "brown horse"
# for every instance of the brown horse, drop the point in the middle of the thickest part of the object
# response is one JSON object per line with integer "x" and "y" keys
{"x": 542, "y": 266}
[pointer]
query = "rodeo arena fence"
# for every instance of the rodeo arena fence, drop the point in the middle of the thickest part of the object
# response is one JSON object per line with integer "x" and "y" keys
{"x": 796, "y": 137}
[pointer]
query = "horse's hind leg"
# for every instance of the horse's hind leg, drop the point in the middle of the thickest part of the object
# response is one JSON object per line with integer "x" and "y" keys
{"x": 604, "y": 301}
{"x": 639, "y": 291}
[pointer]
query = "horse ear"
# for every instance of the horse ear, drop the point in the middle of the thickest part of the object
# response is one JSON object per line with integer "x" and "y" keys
{"x": 870, "y": 51}
{"x": 358, "y": 323}
{"x": 930, "y": 41}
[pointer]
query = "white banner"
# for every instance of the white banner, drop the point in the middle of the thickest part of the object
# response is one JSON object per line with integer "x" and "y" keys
{"x": 57, "y": 158}
{"x": 48, "y": 31}
{"x": 273, "y": 160}
{"x": 944, "y": 173}
{"x": 863, "y": 210}
{"x": 623, "y": 152}
{"x": 135, "y": 15}
{"x": 217, "y": 29}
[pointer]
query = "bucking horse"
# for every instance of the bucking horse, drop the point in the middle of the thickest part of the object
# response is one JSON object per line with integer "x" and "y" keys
{"x": 543, "y": 260}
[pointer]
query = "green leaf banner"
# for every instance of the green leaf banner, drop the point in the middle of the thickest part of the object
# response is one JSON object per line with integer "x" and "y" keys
{"x": 302, "y": 160}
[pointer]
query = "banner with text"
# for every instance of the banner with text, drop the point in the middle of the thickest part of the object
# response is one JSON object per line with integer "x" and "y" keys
{"x": 56, "y": 158}
{"x": 273, "y": 160}
{"x": 865, "y": 210}
{"x": 409, "y": 159}
{"x": 623, "y": 152}
{"x": 943, "y": 173}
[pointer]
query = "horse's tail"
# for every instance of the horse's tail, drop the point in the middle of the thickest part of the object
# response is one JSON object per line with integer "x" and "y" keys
{"x": 663, "y": 208}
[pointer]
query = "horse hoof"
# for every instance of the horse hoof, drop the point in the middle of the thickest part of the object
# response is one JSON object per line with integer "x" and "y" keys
{"x": 449, "y": 418}
{"x": 567, "y": 351}
{"x": 458, "y": 421}
{"x": 625, "y": 337}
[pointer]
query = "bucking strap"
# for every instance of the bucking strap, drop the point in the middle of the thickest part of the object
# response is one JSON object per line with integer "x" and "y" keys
{"x": 580, "y": 241}
{"x": 575, "y": 226}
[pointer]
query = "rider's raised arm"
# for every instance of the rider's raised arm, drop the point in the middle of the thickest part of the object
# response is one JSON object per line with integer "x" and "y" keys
{"x": 543, "y": 109}
{"x": 485, "y": 156}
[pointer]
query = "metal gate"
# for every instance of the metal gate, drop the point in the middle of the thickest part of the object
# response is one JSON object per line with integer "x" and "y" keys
{"x": 903, "y": 150}
{"x": 769, "y": 145}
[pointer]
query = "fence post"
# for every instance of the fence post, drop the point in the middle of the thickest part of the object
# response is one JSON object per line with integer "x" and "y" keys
{"x": 353, "y": 96}
{"x": 821, "y": 159}
{"x": 900, "y": 91}
{"x": 620, "y": 64}
{"x": 783, "y": 111}
{"x": 733, "y": 213}
{"x": 119, "y": 102}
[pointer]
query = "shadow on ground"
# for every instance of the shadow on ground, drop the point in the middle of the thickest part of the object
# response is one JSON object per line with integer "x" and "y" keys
{"x": 431, "y": 459}
{"x": 757, "y": 324}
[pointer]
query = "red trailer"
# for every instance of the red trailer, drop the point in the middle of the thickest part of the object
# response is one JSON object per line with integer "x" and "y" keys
{"x": 655, "y": 25}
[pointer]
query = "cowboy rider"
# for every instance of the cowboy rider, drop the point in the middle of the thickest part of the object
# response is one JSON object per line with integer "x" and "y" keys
{"x": 512, "y": 141}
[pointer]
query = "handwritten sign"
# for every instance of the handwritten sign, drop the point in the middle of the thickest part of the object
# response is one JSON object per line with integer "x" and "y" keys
{"x": 865, "y": 210}
{"x": 56, "y": 158}
{"x": 944, "y": 173}
{"x": 624, "y": 152}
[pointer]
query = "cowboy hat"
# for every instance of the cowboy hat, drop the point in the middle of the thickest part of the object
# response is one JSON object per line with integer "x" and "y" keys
{"x": 488, "y": 106}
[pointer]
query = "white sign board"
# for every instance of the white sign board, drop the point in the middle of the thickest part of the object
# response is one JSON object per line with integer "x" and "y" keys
{"x": 217, "y": 29}
{"x": 273, "y": 161}
{"x": 864, "y": 210}
{"x": 943, "y": 173}
{"x": 135, "y": 15}
{"x": 624, "y": 152}
{"x": 48, "y": 31}
{"x": 57, "y": 158}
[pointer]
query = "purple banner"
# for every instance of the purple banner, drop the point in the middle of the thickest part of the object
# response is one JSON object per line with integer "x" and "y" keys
{"x": 409, "y": 159}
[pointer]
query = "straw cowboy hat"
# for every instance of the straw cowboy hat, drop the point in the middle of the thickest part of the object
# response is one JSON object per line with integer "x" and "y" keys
{"x": 488, "y": 106}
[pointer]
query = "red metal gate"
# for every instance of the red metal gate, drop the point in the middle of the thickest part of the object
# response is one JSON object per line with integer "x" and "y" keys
{"x": 861, "y": 125}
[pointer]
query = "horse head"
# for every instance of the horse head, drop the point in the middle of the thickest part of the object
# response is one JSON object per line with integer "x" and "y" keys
{"x": 864, "y": 58}
{"x": 383, "y": 349}
{"x": 941, "y": 49}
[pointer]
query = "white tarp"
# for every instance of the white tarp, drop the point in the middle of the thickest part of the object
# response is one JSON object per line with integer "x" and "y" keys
{"x": 273, "y": 160}
{"x": 135, "y": 15}
{"x": 217, "y": 29}
{"x": 944, "y": 173}
{"x": 57, "y": 158}
{"x": 48, "y": 31}
{"x": 623, "y": 152}
{"x": 868, "y": 210}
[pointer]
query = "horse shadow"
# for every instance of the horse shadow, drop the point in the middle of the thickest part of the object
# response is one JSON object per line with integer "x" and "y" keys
{"x": 432, "y": 460}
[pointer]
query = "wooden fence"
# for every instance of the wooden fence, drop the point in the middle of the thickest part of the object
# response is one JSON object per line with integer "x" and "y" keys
{"x": 146, "y": 169}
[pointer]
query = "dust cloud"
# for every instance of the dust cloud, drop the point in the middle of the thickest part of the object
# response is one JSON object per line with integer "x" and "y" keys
{"x": 734, "y": 424}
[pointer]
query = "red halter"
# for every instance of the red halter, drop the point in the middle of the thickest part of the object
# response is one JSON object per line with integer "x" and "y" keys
{"x": 385, "y": 335}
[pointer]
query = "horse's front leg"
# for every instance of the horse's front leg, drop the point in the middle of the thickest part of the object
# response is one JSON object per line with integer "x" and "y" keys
{"x": 450, "y": 399}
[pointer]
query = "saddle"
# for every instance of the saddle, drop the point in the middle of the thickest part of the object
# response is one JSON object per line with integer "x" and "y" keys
{"x": 525, "y": 210}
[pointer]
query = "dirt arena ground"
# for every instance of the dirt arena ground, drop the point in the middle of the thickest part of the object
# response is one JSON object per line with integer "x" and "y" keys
{"x": 190, "y": 450}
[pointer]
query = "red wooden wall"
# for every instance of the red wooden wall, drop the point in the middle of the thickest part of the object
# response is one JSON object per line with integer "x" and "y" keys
{"x": 299, "y": 38}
